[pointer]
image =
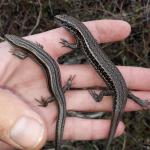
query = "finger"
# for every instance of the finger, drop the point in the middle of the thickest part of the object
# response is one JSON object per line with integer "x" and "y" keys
{"x": 137, "y": 78}
{"x": 4, "y": 146}
{"x": 20, "y": 126}
{"x": 81, "y": 100}
{"x": 83, "y": 129}
{"x": 102, "y": 30}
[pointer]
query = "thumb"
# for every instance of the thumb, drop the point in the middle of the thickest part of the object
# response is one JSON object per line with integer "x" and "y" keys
{"x": 20, "y": 126}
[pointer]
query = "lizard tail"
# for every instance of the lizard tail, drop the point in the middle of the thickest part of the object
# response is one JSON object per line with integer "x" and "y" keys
{"x": 114, "y": 124}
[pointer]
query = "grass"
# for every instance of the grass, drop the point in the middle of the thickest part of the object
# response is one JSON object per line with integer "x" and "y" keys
{"x": 23, "y": 18}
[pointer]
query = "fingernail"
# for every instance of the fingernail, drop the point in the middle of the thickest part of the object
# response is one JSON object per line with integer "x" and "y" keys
{"x": 27, "y": 132}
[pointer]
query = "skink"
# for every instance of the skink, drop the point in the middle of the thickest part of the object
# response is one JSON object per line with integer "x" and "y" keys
{"x": 52, "y": 73}
{"x": 103, "y": 66}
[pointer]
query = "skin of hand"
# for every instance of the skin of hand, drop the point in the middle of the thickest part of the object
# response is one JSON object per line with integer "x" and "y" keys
{"x": 23, "y": 124}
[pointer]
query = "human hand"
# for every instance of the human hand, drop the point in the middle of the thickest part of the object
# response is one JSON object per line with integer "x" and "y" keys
{"x": 20, "y": 85}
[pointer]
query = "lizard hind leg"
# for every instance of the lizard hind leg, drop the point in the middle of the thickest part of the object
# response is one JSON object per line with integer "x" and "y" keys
{"x": 99, "y": 97}
{"x": 45, "y": 101}
{"x": 142, "y": 103}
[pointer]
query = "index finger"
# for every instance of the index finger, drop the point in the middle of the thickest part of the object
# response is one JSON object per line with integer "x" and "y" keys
{"x": 102, "y": 30}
